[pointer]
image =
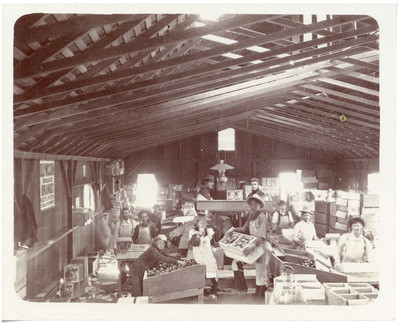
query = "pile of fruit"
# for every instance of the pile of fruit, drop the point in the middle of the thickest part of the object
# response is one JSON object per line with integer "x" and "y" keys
{"x": 231, "y": 237}
{"x": 242, "y": 242}
{"x": 308, "y": 263}
{"x": 164, "y": 268}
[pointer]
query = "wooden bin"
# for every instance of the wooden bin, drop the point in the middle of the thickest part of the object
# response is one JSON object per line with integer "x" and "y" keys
{"x": 186, "y": 282}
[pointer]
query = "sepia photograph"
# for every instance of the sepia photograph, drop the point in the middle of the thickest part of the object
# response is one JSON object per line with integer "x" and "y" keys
{"x": 183, "y": 157}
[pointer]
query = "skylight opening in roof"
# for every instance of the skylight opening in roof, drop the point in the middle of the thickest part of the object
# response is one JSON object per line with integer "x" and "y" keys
{"x": 219, "y": 39}
{"x": 258, "y": 61}
{"x": 212, "y": 16}
{"x": 258, "y": 49}
{"x": 232, "y": 55}
{"x": 226, "y": 140}
{"x": 198, "y": 24}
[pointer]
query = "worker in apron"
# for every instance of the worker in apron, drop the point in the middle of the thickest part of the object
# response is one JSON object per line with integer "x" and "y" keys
{"x": 200, "y": 237}
{"x": 282, "y": 218}
{"x": 151, "y": 258}
{"x": 145, "y": 231}
{"x": 256, "y": 226}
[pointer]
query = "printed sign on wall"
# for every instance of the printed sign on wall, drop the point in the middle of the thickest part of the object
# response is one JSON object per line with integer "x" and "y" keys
{"x": 47, "y": 197}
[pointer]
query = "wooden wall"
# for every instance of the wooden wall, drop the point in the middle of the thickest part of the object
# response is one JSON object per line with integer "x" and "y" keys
{"x": 46, "y": 264}
{"x": 187, "y": 161}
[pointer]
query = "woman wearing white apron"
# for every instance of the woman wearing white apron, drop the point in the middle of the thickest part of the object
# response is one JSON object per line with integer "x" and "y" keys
{"x": 200, "y": 238}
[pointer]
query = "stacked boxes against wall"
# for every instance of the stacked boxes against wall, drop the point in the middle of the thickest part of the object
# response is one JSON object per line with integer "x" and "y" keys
{"x": 174, "y": 194}
{"x": 347, "y": 206}
{"x": 309, "y": 180}
{"x": 162, "y": 195}
{"x": 323, "y": 211}
{"x": 370, "y": 214}
{"x": 74, "y": 279}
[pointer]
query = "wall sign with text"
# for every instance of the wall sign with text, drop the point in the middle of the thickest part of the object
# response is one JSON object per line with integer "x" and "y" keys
{"x": 47, "y": 197}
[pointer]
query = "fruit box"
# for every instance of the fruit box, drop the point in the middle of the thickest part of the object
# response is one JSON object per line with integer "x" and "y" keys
{"x": 235, "y": 248}
{"x": 349, "y": 293}
{"x": 73, "y": 273}
{"x": 188, "y": 278}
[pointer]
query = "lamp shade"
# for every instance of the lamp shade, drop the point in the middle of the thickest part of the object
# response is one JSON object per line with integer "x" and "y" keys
{"x": 221, "y": 166}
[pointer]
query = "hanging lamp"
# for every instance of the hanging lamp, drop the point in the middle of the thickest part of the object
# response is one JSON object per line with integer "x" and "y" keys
{"x": 222, "y": 168}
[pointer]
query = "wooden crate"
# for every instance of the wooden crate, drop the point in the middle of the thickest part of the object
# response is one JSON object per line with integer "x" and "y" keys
{"x": 320, "y": 229}
{"x": 307, "y": 180}
{"x": 320, "y": 217}
{"x": 340, "y": 226}
{"x": 332, "y": 208}
{"x": 341, "y": 201}
{"x": 371, "y": 200}
{"x": 341, "y": 214}
{"x": 236, "y": 253}
{"x": 349, "y": 293}
{"x": 322, "y": 207}
{"x": 85, "y": 263}
{"x": 73, "y": 273}
{"x": 170, "y": 285}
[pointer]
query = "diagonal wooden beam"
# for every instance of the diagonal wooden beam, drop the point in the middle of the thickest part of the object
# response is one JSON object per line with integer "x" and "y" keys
{"x": 72, "y": 26}
{"x": 210, "y": 53}
{"x": 343, "y": 95}
{"x": 139, "y": 46}
{"x": 350, "y": 86}
{"x": 69, "y": 111}
{"x": 370, "y": 66}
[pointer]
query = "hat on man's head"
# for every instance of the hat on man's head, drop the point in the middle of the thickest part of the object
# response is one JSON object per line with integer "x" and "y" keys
{"x": 160, "y": 237}
{"x": 202, "y": 215}
{"x": 257, "y": 199}
{"x": 209, "y": 177}
{"x": 356, "y": 220}
{"x": 255, "y": 179}
{"x": 306, "y": 210}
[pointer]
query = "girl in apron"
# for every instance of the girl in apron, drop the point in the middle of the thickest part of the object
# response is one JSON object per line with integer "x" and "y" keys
{"x": 282, "y": 219}
{"x": 200, "y": 239}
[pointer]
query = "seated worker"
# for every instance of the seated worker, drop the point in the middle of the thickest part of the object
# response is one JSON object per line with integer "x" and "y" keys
{"x": 156, "y": 217}
{"x": 353, "y": 246}
{"x": 255, "y": 188}
{"x": 304, "y": 230}
{"x": 200, "y": 237}
{"x": 206, "y": 186}
{"x": 309, "y": 202}
{"x": 145, "y": 231}
{"x": 124, "y": 228}
{"x": 150, "y": 259}
{"x": 282, "y": 218}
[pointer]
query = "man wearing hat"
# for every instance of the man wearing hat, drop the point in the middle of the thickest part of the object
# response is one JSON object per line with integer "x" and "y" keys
{"x": 256, "y": 226}
{"x": 304, "y": 230}
{"x": 154, "y": 255}
{"x": 255, "y": 188}
{"x": 206, "y": 186}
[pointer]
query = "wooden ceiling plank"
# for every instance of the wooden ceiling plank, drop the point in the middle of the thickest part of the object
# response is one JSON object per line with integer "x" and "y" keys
{"x": 344, "y": 105}
{"x": 335, "y": 126}
{"x": 355, "y": 74}
{"x": 118, "y": 51}
{"x": 350, "y": 97}
{"x": 373, "y": 67}
{"x": 281, "y": 135}
{"x": 327, "y": 141}
{"x": 349, "y": 86}
{"x": 33, "y": 155}
{"x": 31, "y": 132}
{"x": 273, "y": 70}
{"x": 332, "y": 109}
{"x": 333, "y": 116}
{"x": 295, "y": 24}
{"x": 291, "y": 124}
{"x": 195, "y": 56}
{"x": 77, "y": 24}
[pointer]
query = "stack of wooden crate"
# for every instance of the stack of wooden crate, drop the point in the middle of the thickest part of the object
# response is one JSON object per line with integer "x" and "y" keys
{"x": 347, "y": 206}
{"x": 370, "y": 212}
{"x": 325, "y": 177}
{"x": 74, "y": 279}
{"x": 323, "y": 211}
{"x": 308, "y": 179}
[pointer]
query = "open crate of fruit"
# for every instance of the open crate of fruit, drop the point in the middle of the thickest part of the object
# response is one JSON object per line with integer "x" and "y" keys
{"x": 168, "y": 281}
{"x": 234, "y": 243}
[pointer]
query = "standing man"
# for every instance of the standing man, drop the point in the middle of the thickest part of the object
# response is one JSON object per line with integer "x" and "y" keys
{"x": 255, "y": 188}
{"x": 145, "y": 231}
{"x": 256, "y": 226}
{"x": 207, "y": 184}
{"x": 304, "y": 230}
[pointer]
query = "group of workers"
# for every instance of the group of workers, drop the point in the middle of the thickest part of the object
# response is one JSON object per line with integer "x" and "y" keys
{"x": 198, "y": 240}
